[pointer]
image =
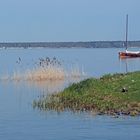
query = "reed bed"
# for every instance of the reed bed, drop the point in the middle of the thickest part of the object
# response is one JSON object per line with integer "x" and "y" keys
{"x": 48, "y": 73}
{"x": 46, "y": 69}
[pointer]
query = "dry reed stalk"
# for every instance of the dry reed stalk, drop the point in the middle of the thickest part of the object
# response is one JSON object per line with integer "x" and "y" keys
{"x": 17, "y": 76}
{"x": 76, "y": 72}
{"x": 48, "y": 72}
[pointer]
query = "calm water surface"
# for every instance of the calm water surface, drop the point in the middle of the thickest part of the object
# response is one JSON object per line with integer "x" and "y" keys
{"x": 18, "y": 119}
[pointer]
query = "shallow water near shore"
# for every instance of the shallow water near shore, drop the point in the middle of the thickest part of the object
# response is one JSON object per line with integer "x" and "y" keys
{"x": 18, "y": 119}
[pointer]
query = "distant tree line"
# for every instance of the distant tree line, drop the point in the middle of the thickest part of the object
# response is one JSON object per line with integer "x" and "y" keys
{"x": 90, "y": 44}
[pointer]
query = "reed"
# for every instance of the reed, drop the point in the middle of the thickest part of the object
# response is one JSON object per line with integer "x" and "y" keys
{"x": 17, "y": 76}
{"x": 76, "y": 72}
{"x": 47, "y": 73}
{"x": 46, "y": 69}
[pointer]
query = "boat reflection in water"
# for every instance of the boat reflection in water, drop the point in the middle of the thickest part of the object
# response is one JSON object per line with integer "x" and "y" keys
{"x": 129, "y": 64}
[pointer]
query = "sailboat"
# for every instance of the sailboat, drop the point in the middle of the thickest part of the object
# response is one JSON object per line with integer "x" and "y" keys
{"x": 126, "y": 53}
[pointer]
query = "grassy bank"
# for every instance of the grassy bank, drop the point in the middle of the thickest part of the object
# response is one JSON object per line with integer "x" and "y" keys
{"x": 111, "y": 94}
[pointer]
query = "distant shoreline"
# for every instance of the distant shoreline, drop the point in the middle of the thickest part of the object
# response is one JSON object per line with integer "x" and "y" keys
{"x": 90, "y": 44}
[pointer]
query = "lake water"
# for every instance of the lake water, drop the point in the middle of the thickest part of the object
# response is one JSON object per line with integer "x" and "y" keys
{"x": 18, "y": 119}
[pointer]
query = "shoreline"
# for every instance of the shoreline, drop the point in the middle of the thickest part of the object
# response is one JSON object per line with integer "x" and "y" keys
{"x": 117, "y": 94}
{"x": 80, "y": 44}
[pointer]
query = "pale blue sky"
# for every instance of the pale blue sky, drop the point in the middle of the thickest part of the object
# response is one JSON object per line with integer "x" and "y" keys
{"x": 68, "y": 20}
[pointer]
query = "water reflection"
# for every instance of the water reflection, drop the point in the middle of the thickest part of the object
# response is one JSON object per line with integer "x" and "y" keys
{"x": 48, "y": 86}
{"x": 129, "y": 64}
{"x": 44, "y": 87}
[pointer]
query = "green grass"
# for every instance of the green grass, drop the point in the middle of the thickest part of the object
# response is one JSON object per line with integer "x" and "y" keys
{"x": 103, "y": 96}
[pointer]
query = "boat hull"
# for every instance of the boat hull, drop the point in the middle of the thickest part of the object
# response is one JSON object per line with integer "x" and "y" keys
{"x": 127, "y": 54}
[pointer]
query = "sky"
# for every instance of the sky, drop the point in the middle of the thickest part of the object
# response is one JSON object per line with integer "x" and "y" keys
{"x": 68, "y": 20}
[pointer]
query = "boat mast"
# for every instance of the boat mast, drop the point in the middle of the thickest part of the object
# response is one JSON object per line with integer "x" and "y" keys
{"x": 126, "y": 31}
